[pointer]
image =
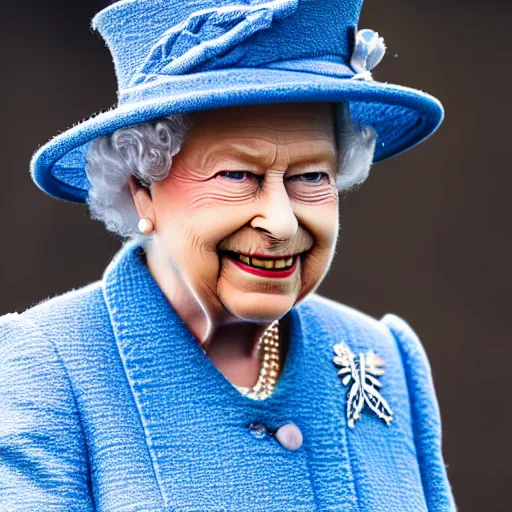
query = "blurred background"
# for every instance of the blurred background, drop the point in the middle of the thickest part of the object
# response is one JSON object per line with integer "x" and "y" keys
{"x": 426, "y": 237}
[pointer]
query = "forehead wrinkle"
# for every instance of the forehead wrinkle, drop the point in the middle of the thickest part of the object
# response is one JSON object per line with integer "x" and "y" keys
{"x": 235, "y": 126}
{"x": 288, "y": 118}
{"x": 282, "y": 136}
{"x": 249, "y": 137}
{"x": 247, "y": 153}
{"x": 321, "y": 152}
{"x": 291, "y": 143}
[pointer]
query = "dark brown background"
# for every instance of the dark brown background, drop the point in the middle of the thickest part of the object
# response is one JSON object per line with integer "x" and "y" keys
{"x": 427, "y": 237}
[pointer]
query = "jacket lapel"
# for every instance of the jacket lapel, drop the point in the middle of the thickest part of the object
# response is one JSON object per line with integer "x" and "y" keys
{"x": 153, "y": 342}
{"x": 178, "y": 392}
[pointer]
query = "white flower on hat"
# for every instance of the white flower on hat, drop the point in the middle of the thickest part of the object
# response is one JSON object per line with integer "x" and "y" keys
{"x": 369, "y": 49}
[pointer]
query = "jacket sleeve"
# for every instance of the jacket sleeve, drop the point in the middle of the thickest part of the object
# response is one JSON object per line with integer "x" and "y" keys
{"x": 43, "y": 461}
{"x": 425, "y": 416}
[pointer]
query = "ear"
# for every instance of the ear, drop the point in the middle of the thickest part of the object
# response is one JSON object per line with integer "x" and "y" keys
{"x": 142, "y": 200}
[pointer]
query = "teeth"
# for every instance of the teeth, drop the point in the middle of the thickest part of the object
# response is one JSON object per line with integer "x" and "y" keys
{"x": 280, "y": 264}
{"x": 266, "y": 264}
{"x": 269, "y": 264}
{"x": 256, "y": 262}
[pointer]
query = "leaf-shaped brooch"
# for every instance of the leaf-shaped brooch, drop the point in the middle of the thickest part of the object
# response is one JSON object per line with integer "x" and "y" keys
{"x": 360, "y": 374}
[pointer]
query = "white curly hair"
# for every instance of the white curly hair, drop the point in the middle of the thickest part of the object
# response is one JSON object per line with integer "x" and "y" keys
{"x": 146, "y": 151}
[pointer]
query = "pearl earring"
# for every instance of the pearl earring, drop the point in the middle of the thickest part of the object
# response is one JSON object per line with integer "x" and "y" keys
{"x": 146, "y": 226}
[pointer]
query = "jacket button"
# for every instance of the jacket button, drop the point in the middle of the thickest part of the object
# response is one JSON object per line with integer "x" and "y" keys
{"x": 289, "y": 436}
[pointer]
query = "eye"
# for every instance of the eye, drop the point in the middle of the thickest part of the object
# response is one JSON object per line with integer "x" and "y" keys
{"x": 311, "y": 177}
{"x": 235, "y": 175}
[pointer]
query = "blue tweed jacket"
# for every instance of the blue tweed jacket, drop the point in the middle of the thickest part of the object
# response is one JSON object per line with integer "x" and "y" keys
{"x": 108, "y": 403}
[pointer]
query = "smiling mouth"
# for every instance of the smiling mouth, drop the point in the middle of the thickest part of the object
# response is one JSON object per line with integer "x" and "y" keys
{"x": 266, "y": 263}
{"x": 265, "y": 266}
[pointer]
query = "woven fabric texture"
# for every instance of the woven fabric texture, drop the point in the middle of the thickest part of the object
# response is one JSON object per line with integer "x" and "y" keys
{"x": 108, "y": 403}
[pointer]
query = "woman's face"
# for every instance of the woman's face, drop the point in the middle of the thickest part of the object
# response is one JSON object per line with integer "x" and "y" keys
{"x": 248, "y": 216}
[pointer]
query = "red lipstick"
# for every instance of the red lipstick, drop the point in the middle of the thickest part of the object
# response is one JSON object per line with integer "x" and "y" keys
{"x": 269, "y": 274}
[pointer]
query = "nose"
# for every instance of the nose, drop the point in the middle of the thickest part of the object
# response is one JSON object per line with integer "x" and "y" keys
{"x": 275, "y": 214}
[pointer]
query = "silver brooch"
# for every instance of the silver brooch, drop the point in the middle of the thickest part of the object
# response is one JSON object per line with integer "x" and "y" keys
{"x": 369, "y": 49}
{"x": 360, "y": 374}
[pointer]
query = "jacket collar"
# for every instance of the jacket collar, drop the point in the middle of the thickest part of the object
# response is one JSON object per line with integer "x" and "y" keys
{"x": 154, "y": 342}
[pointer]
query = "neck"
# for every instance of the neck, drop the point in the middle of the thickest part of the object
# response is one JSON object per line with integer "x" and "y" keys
{"x": 218, "y": 332}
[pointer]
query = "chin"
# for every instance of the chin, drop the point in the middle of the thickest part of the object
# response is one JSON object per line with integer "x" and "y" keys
{"x": 258, "y": 307}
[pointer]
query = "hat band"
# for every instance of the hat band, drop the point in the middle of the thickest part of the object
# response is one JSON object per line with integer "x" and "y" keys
{"x": 330, "y": 65}
{"x": 166, "y": 86}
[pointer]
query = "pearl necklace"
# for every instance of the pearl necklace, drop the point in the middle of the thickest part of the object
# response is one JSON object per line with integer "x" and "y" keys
{"x": 268, "y": 346}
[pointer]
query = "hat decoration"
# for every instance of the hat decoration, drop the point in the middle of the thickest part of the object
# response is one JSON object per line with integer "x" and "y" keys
{"x": 210, "y": 39}
{"x": 182, "y": 56}
{"x": 369, "y": 50}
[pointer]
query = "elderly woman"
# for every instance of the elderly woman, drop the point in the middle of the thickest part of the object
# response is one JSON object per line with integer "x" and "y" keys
{"x": 202, "y": 373}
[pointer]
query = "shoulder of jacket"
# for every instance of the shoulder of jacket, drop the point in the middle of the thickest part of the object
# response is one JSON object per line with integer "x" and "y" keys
{"x": 410, "y": 346}
{"x": 76, "y": 299}
{"x": 70, "y": 310}
{"x": 26, "y": 350}
{"x": 14, "y": 328}
{"x": 53, "y": 318}
{"x": 335, "y": 312}
{"x": 390, "y": 329}
{"x": 38, "y": 409}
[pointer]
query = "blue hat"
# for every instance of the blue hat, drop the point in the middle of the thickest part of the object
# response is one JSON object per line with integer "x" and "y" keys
{"x": 178, "y": 56}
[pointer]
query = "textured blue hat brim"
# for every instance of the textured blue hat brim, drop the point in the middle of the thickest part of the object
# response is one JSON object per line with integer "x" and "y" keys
{"x": 402, "y": 117}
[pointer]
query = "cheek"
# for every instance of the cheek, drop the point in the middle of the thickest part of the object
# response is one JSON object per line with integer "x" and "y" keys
{"x": 180, "y": 231}
{"x": 321, "y": 221}
{"x": 171, "y": 199}
{"x": 203, "y": 216}
{"x": 316, "y": 208}
{"x": 193, "y": 217}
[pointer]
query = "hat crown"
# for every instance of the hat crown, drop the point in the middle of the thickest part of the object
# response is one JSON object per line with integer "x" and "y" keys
{"x": 148, "y": 38}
